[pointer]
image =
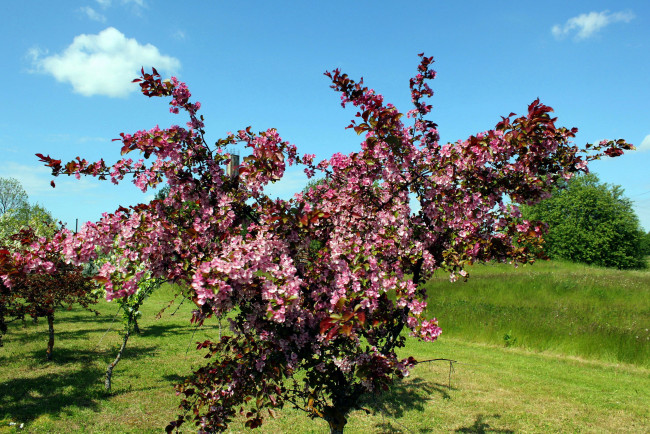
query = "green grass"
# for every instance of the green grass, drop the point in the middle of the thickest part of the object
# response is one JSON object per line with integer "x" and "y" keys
{"x": 550, "y": 306}
{"x": 493, "y": 388}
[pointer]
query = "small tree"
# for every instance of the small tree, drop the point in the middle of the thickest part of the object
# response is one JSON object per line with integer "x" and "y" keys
{"x": 130, "y": 307}
{"x": 590, "y": 222}
{"x": 319, "y": 330}
{"x": 39, "y": 294}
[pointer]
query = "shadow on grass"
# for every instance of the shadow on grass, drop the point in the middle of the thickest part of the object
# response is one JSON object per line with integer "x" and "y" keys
{"x": 28, "y": 332}
{"x": 25, "y": 399}
{"x": 396, "y": 427}
{"x": 175, "y": 378}
{"x": 83, "y": 317}
{"x": 55, "y": 393}
{"x": 403, "y": 397}
{"x": 480, "y": 426}
{"x": 160, "y": 330}
{"x": 406, "y": 396}
{"x": 62, "y": 356}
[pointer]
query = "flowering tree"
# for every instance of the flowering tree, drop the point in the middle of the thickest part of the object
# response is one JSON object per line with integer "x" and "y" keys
{"x": 327, "y": 284}
{"x": 38, "y": 294}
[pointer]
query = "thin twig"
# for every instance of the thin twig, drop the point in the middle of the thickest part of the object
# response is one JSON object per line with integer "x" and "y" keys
{"x": 436, "y": 360}
{"x": 179, "y": 306}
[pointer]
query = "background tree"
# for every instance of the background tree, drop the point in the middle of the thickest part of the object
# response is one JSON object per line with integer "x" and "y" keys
{"x": 12, "y": 195}
{"x": 28, "y": 216}
{"x": 17, "y": 213}
{"x": 319, "y": 333}
{"x": 590, "y": 222}
{"x": 162, "y": 193}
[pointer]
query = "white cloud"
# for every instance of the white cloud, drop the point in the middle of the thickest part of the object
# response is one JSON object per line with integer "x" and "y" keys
{"x": 92, "y": 14}
{"x": 586, "y": 25}
{"x": 645, "y": 144}
{"x": 103, "y": 64}
{"x": 104, "y": 3}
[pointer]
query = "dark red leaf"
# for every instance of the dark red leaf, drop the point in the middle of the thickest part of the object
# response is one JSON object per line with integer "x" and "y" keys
{"x": 331, "y": 333}
{"x": 325, "y": 325}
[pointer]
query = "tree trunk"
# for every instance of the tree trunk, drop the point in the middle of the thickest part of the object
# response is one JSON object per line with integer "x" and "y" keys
{"x": 50, "y": 343}
{"x": 136, "y": 327}
{"x": 109, "y": 369}
{"x": 336, "y": 420}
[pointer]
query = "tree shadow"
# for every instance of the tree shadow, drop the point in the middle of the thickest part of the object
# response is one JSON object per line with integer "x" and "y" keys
{"x": 83, "y": 317}
{"x": 29, "y": 333}
{"x": 64, "y": 356}
{"x": 480, "y": 426}
{"x": 160, "y": 330}
{"x": 55, "y": 393}
{"x": 405, "y": 396}
{"x": 175, "y": 378}
{"x": 394, "y": 427}
{"x": 25, "y": 399}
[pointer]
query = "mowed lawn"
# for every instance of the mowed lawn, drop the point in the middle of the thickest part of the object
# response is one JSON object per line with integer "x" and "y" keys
{"x": 547, "y": 348}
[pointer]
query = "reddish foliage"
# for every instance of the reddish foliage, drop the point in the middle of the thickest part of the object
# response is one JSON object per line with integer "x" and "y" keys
{"x": 39, "y": 293}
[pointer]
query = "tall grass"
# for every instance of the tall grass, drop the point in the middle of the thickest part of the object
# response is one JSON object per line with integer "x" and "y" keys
{"x": 552, "y": 306}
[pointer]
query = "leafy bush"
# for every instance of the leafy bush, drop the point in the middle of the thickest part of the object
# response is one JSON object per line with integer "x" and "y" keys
{"x": 645, "y": 244}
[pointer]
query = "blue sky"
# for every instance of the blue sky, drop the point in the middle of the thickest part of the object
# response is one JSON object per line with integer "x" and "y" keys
{"x": 67, "y": 67}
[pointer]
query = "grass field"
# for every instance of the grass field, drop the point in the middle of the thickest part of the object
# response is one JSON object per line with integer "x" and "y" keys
{"x": 537, "y": 383}
{"x": 553, "y": 306}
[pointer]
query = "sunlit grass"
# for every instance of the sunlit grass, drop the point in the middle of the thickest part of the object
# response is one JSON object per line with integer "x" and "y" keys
{"x": 493, "y": 388}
